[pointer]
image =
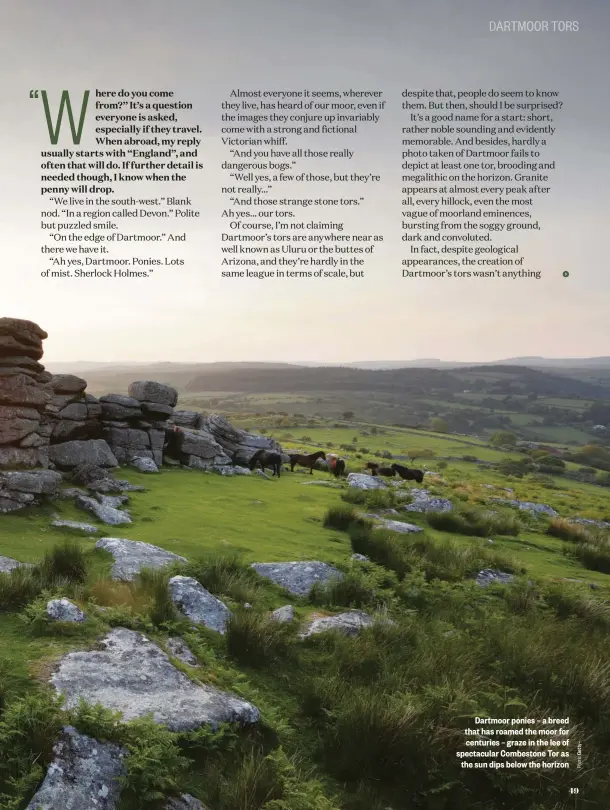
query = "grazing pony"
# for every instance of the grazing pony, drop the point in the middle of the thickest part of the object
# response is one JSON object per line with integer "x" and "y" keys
{"x": 387, "y": 471}
{"x": 371, "y": 465}
{"x": 407, "y": 474}
{"x": 336, "y": 465}
{"x": 306, "y": 461}
{"x": 265, "y": 458}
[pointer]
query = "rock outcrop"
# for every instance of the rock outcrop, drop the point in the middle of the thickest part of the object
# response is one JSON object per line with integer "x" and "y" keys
{"x": 198, "y": 604}
{"x": 298, "y": 577}
{"x": 24, "y": 395}
{"x": 131, "y": 556}
{"x": 19, "y": 489}
{"x": 131, "y": 675}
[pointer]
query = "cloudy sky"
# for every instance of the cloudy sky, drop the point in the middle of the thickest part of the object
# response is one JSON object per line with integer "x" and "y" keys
{"x": 202, "y": 50}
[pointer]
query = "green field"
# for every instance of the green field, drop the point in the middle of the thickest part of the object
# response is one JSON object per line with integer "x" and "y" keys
{"x": 537, "y": 647}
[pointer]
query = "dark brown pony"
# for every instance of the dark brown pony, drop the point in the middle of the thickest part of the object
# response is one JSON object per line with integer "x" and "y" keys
{"x": 408, "y": 474}
{"x": 371, "y": 465}
{"x": 306, "y": 461}
{"x": 271, "y": 460}
{"x": 387, "y": 471}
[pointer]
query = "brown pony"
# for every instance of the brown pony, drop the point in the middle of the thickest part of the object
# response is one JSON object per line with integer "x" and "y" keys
{"x": 371, "y": 465}
{"x": 306, "y": 461}
{"x": 273, "y": 461}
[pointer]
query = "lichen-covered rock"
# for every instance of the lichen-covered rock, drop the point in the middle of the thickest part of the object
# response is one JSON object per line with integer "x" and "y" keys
{"x": 8, "y": 564}
{"x": 491, "y": 575}
{"x": 359, "y": 557}
{"x": 43, "y": 482}
{"x": 179, "y": 650}
{"x": 131, "y": 675}
{"x": 150, "y": 391}
{"x": 67, "y": 384}
{"x": 528, "y": 506}
{"x": 144, "y": 465}
{"x": 191, "y": 419}
{"x": 106, "y": 514}
{"x": 393, "y": 525}
{"x": 63, "y": 610}
{"x": 87, "y": 528}
{"x": 349, "y": 624}
{"x": 112, "y": 486}
{"x": 84, "y": 775}
{"x": 298, "y": 577}
{"x": 362, "y": 481}
{"x": 284, "y": 614}
{"x": 130, "y": 556}
{"x": 198, "y": 604}
{"x": 423, "y": 501}
{"x": 69, "y": 455}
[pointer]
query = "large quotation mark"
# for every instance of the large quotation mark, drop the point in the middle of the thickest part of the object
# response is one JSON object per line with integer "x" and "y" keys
{"x": 33, "y": 93}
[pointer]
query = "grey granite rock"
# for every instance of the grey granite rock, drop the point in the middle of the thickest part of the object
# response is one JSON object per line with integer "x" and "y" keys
{"x": 63, "y": 610}
{"x": 283, "y": 614}
{"x": 150, "y": 391}
{"x": 491, "y": 575}
{"x": 43, "y": 482}
{"x": 298, "y": 577}
{"x": 131, "y": 675}
{"x": 393, "y": 525}
{"x": 83, "y": 776}
{"x": 131, "y": 556}
{"x": 87, "y": 528}
{"x": 359, "y": 557}
{"x": 423, "y": 501}
{"x": 107, "y": 514}
{"x": 7, "y": 564}
{"x": 179, "y": 650}
{"x": 362, "y": 481}
{"x": 349, "y": 624}
{"x": 198, "y": 604}
{"x": 528, "y": 506}
{"x": 72, "y": 454}
{"x": 144, "y": 465}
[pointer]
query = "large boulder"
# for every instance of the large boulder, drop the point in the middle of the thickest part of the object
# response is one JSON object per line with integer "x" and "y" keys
{"x": 63, "y": 610}
{"x": 190, "y": 419}
{"x": 45, "y": 482}
{"x": 68, "y": 455}
{"x": 131, "y": 675}
{"x": 199, "y": 605}
{"x": 128, "y": 442}
{"x": 131, "y": 556}
{"x": 238, "y": 444}
{"x": 298, "y": 577}
{"x": 84, "y": 775}
{"x": 116, "y": 407}
{"x": 363, "y": 481}
{"x": 195, "y": 448}
{"x": 150, "y": 391}
{"x": 67, "y": 384}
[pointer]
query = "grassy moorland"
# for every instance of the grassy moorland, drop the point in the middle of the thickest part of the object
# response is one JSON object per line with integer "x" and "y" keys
{"x": 361, "y": 723}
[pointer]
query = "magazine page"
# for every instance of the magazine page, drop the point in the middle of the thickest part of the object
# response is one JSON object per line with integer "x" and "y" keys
{"x": 304, "y": 405}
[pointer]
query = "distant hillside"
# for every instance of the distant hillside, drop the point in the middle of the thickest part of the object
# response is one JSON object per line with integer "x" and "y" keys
{"x": 413, "y": 382}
